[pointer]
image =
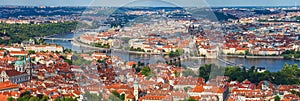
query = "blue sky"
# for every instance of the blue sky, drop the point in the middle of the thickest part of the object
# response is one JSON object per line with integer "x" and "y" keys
{"x": 177, "y": 2}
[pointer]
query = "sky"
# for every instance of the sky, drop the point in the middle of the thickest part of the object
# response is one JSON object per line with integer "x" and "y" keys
{"x": 182, "y": 3}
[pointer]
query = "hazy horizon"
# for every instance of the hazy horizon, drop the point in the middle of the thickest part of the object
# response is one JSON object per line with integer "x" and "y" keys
{"x": 151, "y": 3}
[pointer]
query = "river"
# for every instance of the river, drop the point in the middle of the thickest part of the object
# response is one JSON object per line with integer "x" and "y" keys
{"x": 272, "y": 65}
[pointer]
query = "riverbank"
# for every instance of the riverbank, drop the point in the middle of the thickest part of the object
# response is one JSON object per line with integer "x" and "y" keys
{"x": 273, "y": 65}
{"x": 80, "y": 44}
{"x": 194, "y": 57}
{"x": 254, "y": 57}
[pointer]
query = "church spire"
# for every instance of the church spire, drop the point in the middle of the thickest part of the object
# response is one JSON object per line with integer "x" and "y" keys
{"x": 28, "y": 67}
{"x": 136, "y": 88}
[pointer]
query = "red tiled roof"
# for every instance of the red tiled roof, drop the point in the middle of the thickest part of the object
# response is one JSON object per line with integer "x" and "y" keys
{"x": 13, "y": 73}
{"x": 131, "y": 63}
{"x": 8, "y": 85}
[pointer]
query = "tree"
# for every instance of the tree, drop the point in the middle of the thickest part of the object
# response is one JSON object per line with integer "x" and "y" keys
{"x": 19, "y": 99}
{"x": 66, "y": 99}
{"x": 115, "y": 93}
{"x": 277, "y": 98}
{"x": 297, "y": 55}
{"x": 41, "y": 41}
{"x": 134, "y": 66}
{"x": 69, "y": 61}
{"x": 204, "y": 71}
{"x": 295, "y": 92}
{"x": 186, "y": 88}
{"x": 180, "y": 51}
{"x": 290, "y": 69}
{"x": 188, "y": 72}
{"x": 140, "y": 63}
{"x": 175, "y": 54}
{"x": 67, "y": 50}
{"x": 191, "y": 99}
{"x": 158, "y": 70}
{"x": 25, "y": 98}
{"x": 177, "y": 74}
{"x": 11, "y": 99}
{"x": 113, "y": 98}
{"x": 122, "y": 97}
{"x": 20, "y": 32}
{"x": 45, "y": 98}
{"x": 34, "y": 98}
{"x": 287, "y": 56}
{"x": 31, "y": 52}
{"x": 92, "y": 97}
{"x": 247, "y": 52}
{"x": 132, "y": 49}
{"x": 289, "y": 72}
{"x": 146, "y": 71}
{"x": 137, "y": 69}
{"x": 117, "y": 96}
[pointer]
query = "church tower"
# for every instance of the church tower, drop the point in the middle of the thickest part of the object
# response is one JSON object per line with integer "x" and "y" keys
{"x": 28, "y": 67}
{"x": 136, "y": 89}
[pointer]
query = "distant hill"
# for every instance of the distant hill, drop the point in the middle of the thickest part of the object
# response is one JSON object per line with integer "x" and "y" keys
{"x": 210, "y": 14}
{"x": 6, "y": 12}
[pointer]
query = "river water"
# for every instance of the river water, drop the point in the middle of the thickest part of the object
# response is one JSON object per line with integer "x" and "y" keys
{"x": 272, "y": 65}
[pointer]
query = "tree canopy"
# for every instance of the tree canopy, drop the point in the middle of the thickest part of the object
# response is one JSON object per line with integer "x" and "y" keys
{"x": 290, "y": 73}
{"x": 21, "y": 32}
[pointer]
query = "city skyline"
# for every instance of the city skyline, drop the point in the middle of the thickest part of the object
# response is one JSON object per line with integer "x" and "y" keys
{"x": 149, "y": 50}
{"x": 181, "y": 3}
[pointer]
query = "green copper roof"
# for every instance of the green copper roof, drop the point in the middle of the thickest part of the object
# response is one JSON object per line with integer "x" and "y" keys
{"x": 19, "y": 63}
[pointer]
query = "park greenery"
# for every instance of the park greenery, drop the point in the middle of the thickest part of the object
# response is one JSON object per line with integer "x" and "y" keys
{"x": 80, "y": 61}
{"x": 21, "y": 32}
{"x": 26, "y": 97}
{"x": 40, "y": 97}
{"x": 145, "y": 70}
{"x": 114, "y": 96}
{"x": 288, "y": 54}
{"x": 77, "y": 60}
{"x": 291, "y": 54}
{"x": 287, "y": 76}
{"x": 177, "y": 53}
{"x": 66, "y": 99}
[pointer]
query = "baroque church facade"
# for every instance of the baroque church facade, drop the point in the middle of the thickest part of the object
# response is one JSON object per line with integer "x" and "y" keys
{"x": 21, "y": 73}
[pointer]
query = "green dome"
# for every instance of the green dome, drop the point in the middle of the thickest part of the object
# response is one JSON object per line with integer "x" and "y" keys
{"x": 19, "y": 63}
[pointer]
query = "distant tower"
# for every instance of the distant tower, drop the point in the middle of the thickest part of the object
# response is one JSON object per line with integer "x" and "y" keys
{"x": 136, "y": 89}
{"x": 28, "y": 67}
